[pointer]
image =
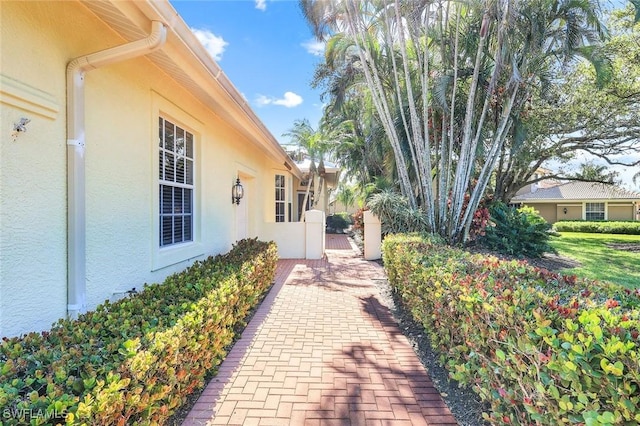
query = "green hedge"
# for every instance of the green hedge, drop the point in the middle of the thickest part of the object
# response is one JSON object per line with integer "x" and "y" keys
{"x": 598, "y": 227}
{"x": 539, "y": 347}
{"x": 136, "y": 360}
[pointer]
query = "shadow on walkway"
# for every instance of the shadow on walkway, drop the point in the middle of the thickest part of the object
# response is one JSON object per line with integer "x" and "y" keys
{"x": 322, "y": 349}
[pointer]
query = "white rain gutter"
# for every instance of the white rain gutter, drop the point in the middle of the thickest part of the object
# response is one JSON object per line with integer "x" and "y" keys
{"x": 164, "y": 11}
{"x": 76, "y": 69}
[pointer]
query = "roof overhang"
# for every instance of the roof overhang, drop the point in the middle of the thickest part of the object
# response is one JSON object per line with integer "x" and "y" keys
{"x": 187, "y": 62}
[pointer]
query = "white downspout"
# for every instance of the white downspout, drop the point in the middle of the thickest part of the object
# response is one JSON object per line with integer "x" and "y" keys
{"x": 76, "y": 276}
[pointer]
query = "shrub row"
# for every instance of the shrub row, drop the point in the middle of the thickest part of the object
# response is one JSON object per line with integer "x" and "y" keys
{"x": 604, "y": 227}
{"x": 135, "y": 361}
{"x": 538, "y": 347}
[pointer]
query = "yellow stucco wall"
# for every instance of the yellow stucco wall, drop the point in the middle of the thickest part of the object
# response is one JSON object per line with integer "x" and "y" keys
{"x": 547, "y": 211}
{"x": 574, "y": 212}
{"x": 553, "y": 212}
{"x": 617, "y": 212}
{"x": 32, "y": 168}
{"x": 123, "y": 101}
{"x": 338, "y": 207}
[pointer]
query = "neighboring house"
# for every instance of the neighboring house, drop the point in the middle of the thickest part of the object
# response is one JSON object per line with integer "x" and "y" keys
{"x": 540, "y": 184}
{"x": 581, "y": 201}
{"x": 336, "y": 206}
{"x": 141, "y": 146}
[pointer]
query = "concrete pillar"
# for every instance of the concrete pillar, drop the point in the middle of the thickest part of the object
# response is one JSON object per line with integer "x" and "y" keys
{"x": 314, "y": 233}
{"x": 372, "y": 236}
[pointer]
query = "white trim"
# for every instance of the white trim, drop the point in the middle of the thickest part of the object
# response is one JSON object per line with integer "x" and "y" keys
{"x": 162, "y": 257}
{"x": 28, "y": 98}
{"x": 283, "y": 202}
{"x": 289, "y": 196}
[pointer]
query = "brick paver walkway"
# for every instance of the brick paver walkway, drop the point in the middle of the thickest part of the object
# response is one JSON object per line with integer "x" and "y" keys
{"x": 322, "y": 350}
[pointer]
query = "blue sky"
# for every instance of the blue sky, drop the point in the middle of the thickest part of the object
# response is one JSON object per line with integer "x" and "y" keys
{"x": 267, "y": 50}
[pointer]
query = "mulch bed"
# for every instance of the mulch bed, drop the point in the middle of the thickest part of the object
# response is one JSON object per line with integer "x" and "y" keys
{"x": 634, "y": 247}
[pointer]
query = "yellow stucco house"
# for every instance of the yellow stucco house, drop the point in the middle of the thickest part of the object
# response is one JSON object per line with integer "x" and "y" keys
{"x": 121, "y": 142}
{"x": 580, "y": 201}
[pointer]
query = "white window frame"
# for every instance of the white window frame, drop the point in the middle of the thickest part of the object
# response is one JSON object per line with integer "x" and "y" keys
{"x": 164, "y": 256}
{"x": 591, "y": 203}
{"x": 280, "y": 197}
{"x": 290, "y": 198}
{"x": 178, "y": 213}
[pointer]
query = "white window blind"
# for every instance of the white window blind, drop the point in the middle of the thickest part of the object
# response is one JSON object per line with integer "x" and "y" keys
{"x": 595, "y": 211}
{"x": 176, "y": 170}
{"x": 280, "y": 198}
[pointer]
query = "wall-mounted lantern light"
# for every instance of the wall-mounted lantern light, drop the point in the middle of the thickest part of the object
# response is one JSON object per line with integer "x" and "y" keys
{"x": 237, "y": 192}
{"x": 564, "y": 210}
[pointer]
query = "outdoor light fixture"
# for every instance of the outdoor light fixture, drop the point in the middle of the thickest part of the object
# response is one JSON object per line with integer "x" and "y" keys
{"x": 19, "y": 127}
{"x": 564, "y": 210}
{"x": 237, "y": 192}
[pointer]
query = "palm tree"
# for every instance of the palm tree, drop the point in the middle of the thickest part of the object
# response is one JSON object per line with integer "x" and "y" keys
{"x": 445, "y": 79}
{"x": 315, "y": 143}
{"x": 346, "y": 195}
{"x": 394, "y": 64}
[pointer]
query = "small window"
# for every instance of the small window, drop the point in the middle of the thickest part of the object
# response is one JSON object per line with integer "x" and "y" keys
{"x": 595, "y": 211}
{"x": 176, "y": 161}
{"x": 280, "y": 199}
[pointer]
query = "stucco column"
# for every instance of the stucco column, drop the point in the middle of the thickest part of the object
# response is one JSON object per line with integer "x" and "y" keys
{"x": 314, "y": 233}
{"x": 372, "y": 236}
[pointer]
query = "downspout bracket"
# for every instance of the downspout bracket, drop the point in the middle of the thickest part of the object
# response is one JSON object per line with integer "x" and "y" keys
{"x": 75, "y": 142}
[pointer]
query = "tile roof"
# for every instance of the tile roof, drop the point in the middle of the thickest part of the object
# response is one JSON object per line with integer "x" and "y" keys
{"x": 579, "y": 191}
{"x": 306, "y": 163}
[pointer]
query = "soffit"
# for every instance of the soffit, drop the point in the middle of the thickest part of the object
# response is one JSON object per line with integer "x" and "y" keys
{"x": 129, "y": 30}
{"x": 203, "y": 78}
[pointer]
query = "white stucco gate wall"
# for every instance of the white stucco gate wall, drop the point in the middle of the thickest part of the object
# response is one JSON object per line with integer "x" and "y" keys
{"x": 298, "y": 240}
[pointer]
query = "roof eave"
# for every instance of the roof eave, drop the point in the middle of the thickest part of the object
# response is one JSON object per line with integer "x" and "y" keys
{"x": 208, "y": 75}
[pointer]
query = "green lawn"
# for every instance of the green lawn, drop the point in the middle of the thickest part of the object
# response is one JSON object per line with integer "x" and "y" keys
{"x": 599, "y": 261}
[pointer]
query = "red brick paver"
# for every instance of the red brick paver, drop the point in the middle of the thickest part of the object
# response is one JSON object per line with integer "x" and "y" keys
{"x": 322, "y": 350}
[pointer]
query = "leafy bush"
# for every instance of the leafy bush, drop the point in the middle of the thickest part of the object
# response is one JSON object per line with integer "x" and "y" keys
{"x": 397, "y": 217}
{"x": 517, "y": 232}
{"x": 395, "y": 214}
{"x": 539, "y": 347}
{"x": 358, "y": 220}
{"x": 600, "y": 227}
{"x": 135, "y": 361}
{"x": 338, "y": 222}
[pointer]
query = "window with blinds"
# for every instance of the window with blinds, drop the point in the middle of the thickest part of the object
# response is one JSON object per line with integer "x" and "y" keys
{"x": 594, "y": 211}
{"x": 280, "y": 199}
{"x": 176, "y": 161}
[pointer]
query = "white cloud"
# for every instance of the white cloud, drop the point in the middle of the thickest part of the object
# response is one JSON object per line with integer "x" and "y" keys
{"x": 289, "y": 100}
{"x": 262, "y": 100}
{"x": 214, "y": 44}
{"x": 314, "y": 47}
{"x": 261, "y": 5}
